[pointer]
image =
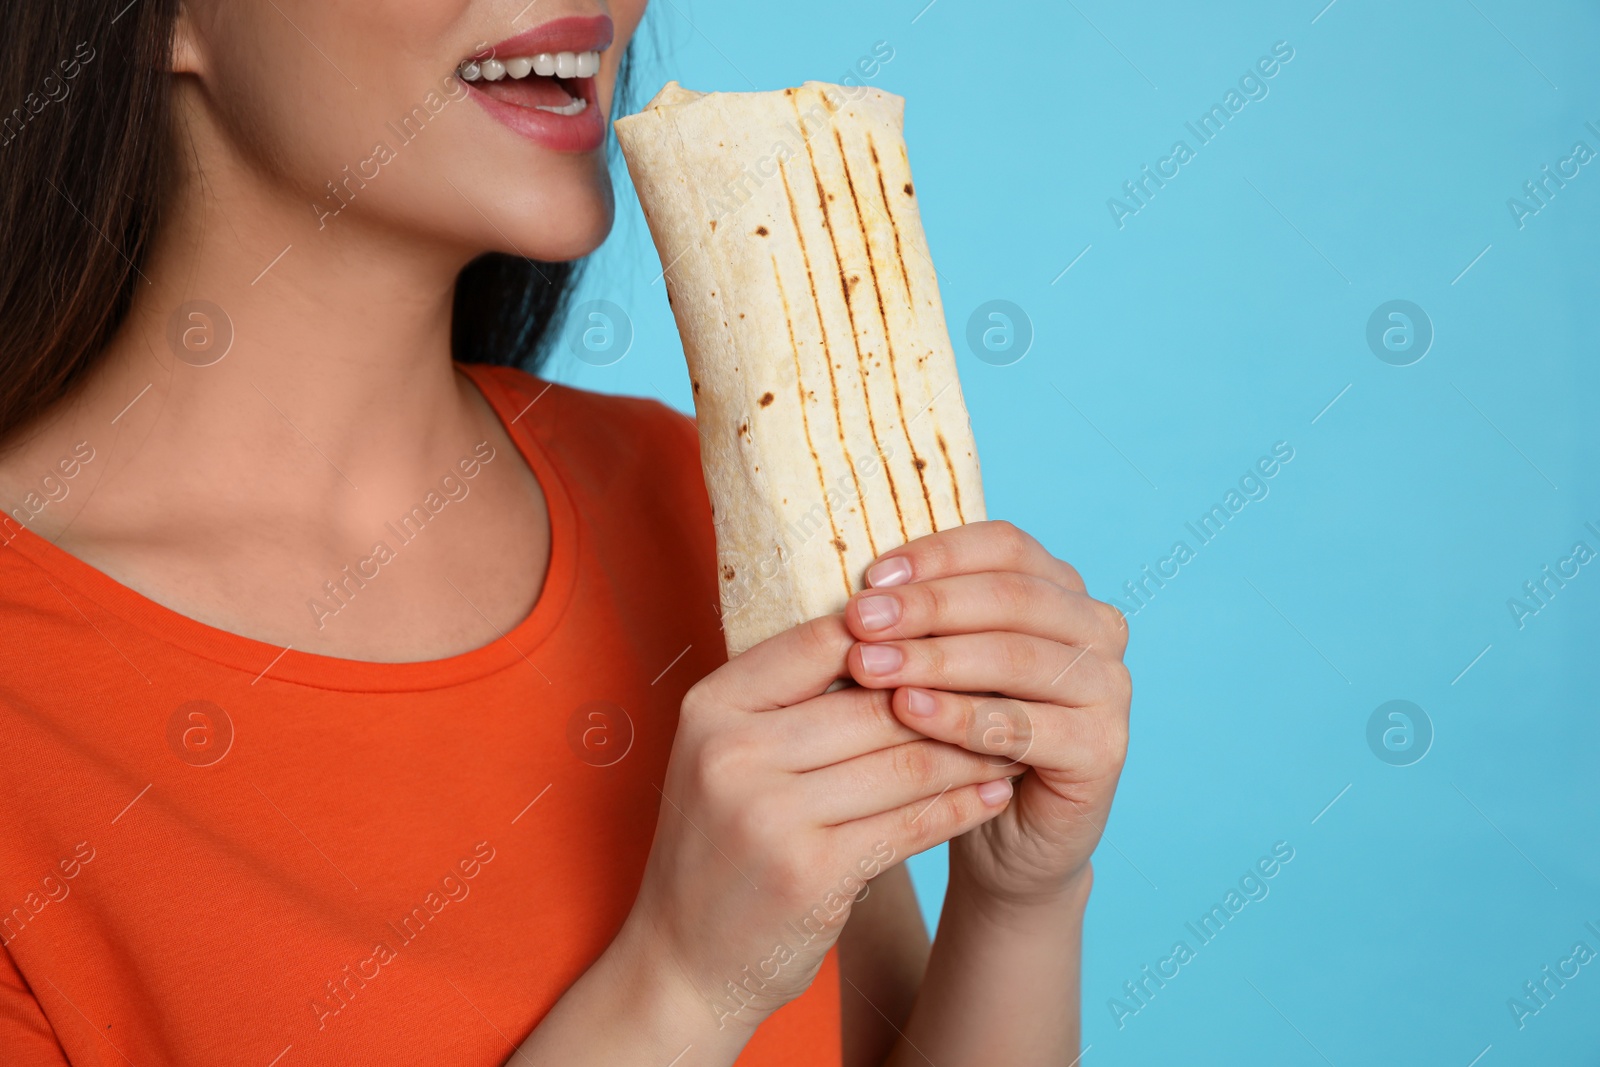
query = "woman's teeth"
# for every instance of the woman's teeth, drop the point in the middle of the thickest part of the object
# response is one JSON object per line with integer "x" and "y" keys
{"x": 573, "y": 107}
{"x": 545, "y": 64}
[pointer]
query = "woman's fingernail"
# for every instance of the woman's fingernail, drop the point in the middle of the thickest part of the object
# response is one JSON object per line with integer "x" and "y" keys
{"x": 919, "y": 702}
{"x": 895, "y": 571}
{"x": 878, "y": 611}
{"x": 880, "y": 659}
{"x": 995, "y": 793}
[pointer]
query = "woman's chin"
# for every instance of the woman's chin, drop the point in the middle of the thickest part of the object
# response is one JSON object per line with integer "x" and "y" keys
{"x": 568, "y": 224}
{"x": 573, "y": 242}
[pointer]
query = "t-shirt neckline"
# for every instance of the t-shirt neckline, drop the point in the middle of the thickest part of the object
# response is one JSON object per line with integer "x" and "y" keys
{"x": 266, "y": 662}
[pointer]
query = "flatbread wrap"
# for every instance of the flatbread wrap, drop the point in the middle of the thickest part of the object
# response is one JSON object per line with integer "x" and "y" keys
{"x": 831, "y": 421}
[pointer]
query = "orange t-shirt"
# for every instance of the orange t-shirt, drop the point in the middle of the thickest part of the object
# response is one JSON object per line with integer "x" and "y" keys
{"x": 213, "y": 850}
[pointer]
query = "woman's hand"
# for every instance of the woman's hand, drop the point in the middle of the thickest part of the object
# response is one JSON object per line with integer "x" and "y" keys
{"x": 781, "y": 801}
{"x": 987, "y": 641}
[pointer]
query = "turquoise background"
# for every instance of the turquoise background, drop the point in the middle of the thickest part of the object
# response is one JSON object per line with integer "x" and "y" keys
{"x": 1222, "y": 318}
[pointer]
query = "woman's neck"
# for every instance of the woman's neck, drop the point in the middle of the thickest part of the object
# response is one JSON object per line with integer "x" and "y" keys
{"x": 275, "y": 393}
{"x": 254, "y": 333}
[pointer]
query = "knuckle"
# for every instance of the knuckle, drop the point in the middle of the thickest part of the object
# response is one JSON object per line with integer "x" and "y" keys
{"x": 914, "y": 763}
{"x": 1109, "y": 620}
{"x": 873, "y": 703}
{"x": 1117, "y": 748}
{"x": 933, "y": 603}
{"x": 877, "y": 709}
{"x": 1003, "y": 528}
{"x": 1121, "y": 683}
{"x": 725, "y": 756}
{"x": 921, "y": 825}
{"x": 699, "y": 700}
{"x": 1016, "y": 595}
{"x": 1119, "y": 639}
{"x": 944, "y": 818}
{"x": 1018, "y": 656}
{"x": 972, "y": 713}
{"x": 1014, "y": 544}
{"x": 984, "y": 723}
{"x": 824, "y": 639}
{"x": 1014, "y": 727}
{"x": 1109, "y": 750}
{"x": 932, "y": 557}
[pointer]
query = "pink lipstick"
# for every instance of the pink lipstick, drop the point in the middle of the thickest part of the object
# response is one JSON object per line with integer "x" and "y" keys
{"x": 541, "y": 84}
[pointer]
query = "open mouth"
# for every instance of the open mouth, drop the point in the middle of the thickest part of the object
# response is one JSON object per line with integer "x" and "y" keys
{"x": 544, "y": 84}
{"x": 560, "y": 83}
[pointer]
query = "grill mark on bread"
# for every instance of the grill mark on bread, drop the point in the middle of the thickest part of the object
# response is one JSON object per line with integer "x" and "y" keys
{"x": 954, "y": 485}
{"x": 805, "y": 422}
{"x": 917, "y": 462}
{"x": 827, "y": 358}
{"x": 905, "y": 275}
{"x": 855, "y": 342}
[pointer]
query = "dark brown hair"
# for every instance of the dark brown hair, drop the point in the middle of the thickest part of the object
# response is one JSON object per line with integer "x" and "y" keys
{"x": 85, "y": 161}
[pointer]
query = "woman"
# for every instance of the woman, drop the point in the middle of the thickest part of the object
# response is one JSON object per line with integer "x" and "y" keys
{"x": 363, "y": 697}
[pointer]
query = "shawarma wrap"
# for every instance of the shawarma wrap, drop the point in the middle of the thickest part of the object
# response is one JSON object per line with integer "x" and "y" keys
{"x": 832, "y": 426}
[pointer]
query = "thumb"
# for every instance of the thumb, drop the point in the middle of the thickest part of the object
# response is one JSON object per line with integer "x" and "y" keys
{"x": 795, "y": 665}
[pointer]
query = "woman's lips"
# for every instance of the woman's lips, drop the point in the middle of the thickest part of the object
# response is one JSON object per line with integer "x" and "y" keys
{"x": 518, "y": 107}
{"x": 522, "y": 103}
{"x": 591, "y": 34}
